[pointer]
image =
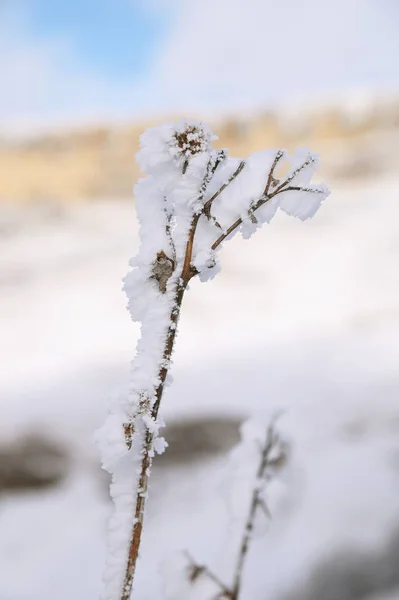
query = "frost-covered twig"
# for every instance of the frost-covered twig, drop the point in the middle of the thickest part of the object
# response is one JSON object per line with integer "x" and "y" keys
{"x": 196, "y": 571}
{"x": 191, "y": 193}
{"x": 208, "y": 203}
{"x": 168, "y": 229}
{"x": 272, "y": 454}
{"x": 267, "y": 195}
{"x": 146, "y": 451}
{"x": 238, "y": 170}
{"x": 279, "y": 156}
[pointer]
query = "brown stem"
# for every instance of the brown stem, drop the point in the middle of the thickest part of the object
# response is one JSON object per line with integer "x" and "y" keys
{"x": 138, "y": 519}
{"x": 277, "y": 159}
{"x": 262, "y": 200}
{"x": 169, "y": 345}
{"x": 197, "y": 570}
{"x": 232, "y": 593}
{"x": 210, "y": 171}
{"x": 299, "y": 188}
{"x": 255, "y": 502}
{"x": 186, "y": 272}
{"x": 291, "y": 177}
{"x": 224, "y": 235}
{"x": 146, "y": 462}
{"x": 265, "y": 195}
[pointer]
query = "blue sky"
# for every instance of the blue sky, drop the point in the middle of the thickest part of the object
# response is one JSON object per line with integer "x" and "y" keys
{"x": 117, "y": 38}
{"x": 80, "y": 61}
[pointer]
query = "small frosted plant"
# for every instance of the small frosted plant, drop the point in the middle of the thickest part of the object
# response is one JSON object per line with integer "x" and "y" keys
{"x": 193, "y": 199}
{"x": 270, "y": 455}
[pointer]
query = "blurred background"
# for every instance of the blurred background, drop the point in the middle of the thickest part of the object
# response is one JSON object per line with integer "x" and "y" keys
{"x": 304, "y": 316}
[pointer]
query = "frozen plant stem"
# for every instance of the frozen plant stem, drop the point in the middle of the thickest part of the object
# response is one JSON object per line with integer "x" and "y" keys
{"x": 270, "y": 444}
{"x": 187, "y": 273}
{"x": 146, "y": 450}
{"x": 192, "y": 200}
{"x": 272, "y": 454}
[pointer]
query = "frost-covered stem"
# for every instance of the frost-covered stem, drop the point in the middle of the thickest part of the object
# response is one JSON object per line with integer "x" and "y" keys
{"x": 169, "y": 344}
{"x": 269, "y": 458}
{"x": 168, "y": 231}
{"x": 270, "y": 179}
{"x": 197, "y": 570}
{"x": 209, "y": 202}
{"x": 224, "y": 235}
{"x": 268, "y": 195}
{"x": 146, "y": 462}
{"x": 264, "y": 198}
{"x": 177, "y": 232}
{"x": 256, "y": 501}
{"x": 186, "y": 274}
{"x": 188, "y": 271}
{"x": 138, "y": 519}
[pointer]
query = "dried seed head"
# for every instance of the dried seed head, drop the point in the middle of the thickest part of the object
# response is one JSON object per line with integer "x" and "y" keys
{"x": 188, "y": 140}
{"x": 174, "y": 143}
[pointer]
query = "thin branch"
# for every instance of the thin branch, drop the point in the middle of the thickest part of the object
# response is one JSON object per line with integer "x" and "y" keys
{"x": 188, "y": 271}
{"x": 215, "y": 221}
{"x": 168, "y": 350}
{"x": 310, "y": 161}
{"x": 147, "y": 447}
{"x": 277, "y": 159}
{"x": 271, "y": 179}
{"x": 262, "y": 504}
{"x": 227, "y": 592}
{"x": 221, "y": 156}
{"x": 255, "y": 206}
{"x": 168, "y": 229}
{"x": 202, "y": 570}
{"x": 224, "y": 235}
{"x": 265, "y": 198}
{"x": 256, "y": 500}
{"x": 309, "y": 190}
{"x": 210, "y": 171}
{"x": 266, "y": 448}
{"x": 138, "y": 519}
{"x": 209, "y": 202}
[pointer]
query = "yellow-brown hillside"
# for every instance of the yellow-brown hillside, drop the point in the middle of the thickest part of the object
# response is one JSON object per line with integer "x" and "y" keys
{"x": 95, "y": 163}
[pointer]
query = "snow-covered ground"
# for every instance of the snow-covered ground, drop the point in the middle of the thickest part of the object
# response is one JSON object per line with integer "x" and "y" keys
{"x": 303, "y": 315}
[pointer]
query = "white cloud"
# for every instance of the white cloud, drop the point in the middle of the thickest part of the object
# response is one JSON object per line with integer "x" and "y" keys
{"x": 244, "y": 52}
{"x": 218, "y": 54}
